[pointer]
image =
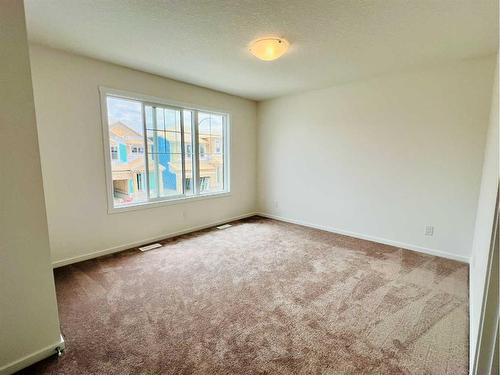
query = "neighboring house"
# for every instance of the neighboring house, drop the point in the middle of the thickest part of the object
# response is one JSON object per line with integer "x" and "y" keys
{"x": 211, "y": 164}
{"x": 128, "y": 164}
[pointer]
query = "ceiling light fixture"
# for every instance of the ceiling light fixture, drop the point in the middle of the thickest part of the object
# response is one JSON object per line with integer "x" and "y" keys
{"x": 269, "y": 49}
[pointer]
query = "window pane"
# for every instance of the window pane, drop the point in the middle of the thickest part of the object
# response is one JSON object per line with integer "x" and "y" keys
{"x": 164, "y": 142}
{"x": 126, "y": 141}
{"x": 173, "y": 142}
{"x": 211, "y": 152}
{"x": 172, "y": 120}
{"x": 171, "y": 176}
{"x": 165, "y": 175}
{"x": 149, "y": 116}
{"x": 166, "y": 119}
{"x": 216, "y": 126}
{"x": 165, "y": 158}
{"x": 211, "y": 174}
{"x": 160, "y": 119}
{"x": 204, "y": 123}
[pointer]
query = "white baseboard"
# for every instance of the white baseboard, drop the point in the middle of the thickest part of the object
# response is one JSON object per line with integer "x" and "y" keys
{"x": 115, "y": 249}
{"x": 28, "y": 360}
{"x": 361, "y": 236}
{"x": 95, "y": 254}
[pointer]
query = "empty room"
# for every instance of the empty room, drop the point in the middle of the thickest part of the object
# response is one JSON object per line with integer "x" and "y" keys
{"x": 249, "y": 187}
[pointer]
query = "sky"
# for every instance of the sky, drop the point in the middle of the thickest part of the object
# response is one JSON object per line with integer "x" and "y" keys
{"x": 130, "y": 113}
{"x": 127, "y": 111}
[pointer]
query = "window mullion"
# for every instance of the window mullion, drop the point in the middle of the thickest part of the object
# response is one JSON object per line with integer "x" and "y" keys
{"x": 146, "y": 149}
{"x": 183, "y": 154}
{"x": 196, "y": 156}
{"x": 157, "y": 154}
{"x": 225, "y": 157}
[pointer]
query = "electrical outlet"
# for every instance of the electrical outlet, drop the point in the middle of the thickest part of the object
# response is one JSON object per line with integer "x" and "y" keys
{"x": 429, "y": 230}
{"x": 275, "y": 204}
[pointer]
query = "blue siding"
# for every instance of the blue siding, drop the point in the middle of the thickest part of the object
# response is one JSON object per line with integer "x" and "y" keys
{"x": 123, "y": 153}
{"x": 152, "y": 181}
{"x": 169, "y": 178}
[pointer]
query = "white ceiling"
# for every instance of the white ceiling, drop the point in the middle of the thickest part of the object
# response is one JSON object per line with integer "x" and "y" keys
{"x": 205, "y": 42}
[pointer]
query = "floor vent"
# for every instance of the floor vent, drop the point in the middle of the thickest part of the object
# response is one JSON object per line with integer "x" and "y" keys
{"x": 225, "y": 226}
{"x": 150, "y": 247}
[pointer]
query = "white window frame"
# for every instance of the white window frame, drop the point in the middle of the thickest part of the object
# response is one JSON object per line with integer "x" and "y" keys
{"x": 104, "y": 92}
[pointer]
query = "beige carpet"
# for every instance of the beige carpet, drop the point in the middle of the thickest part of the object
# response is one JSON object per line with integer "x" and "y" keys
{"x": 263, "y": 297}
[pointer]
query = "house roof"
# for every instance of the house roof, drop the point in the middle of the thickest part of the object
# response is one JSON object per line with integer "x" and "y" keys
{"x": 124, "y": 131}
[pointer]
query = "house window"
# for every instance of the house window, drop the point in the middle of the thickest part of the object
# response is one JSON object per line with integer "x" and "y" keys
{"x": 173, "y": 152}
{"x": 205, "y": 184}
{"x": 140, "y": 181}
{"x": 114, "y": 152}
{"x": 203, "y": 151}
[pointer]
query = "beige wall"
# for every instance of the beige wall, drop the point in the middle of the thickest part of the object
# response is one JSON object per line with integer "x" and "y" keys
{"x": 484, "y": 222}
{"x": 69, "y": 125}
{"x": 29, "y": 326}
{"x": 381, "y": 158}
{"x": 378, "y": 159}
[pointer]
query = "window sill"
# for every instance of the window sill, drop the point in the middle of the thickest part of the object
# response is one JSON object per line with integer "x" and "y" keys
{"x": 167, "y": 202}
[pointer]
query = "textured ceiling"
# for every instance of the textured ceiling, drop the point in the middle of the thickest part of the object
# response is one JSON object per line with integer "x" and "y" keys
{"x": 205, "y": 42}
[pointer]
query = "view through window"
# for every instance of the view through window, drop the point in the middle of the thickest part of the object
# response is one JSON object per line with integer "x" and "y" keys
{"x": 160, "y": 152}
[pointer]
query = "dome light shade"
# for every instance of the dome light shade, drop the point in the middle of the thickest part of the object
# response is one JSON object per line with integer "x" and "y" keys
{"x": 269, "y": 49}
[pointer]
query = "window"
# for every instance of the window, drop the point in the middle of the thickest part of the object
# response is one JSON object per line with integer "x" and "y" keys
{"x": 137, "y": 150}
{"x": 205, "y": 184}
{"x": 114, "y": 152}
{"x": 161, "y": 152}
{"x": 203, "y": 149}
{"x": 140, "y": 181}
